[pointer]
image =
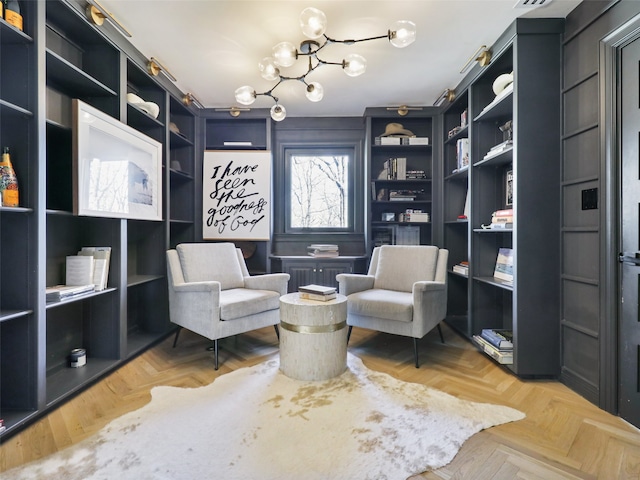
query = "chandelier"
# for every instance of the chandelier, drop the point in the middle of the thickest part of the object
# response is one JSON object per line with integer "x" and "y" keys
{"x": 314, "y": 23}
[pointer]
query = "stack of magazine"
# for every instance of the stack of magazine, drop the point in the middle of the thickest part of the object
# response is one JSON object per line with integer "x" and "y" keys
{"x": 497, "y": 343}
{"x": 317, "y": 292}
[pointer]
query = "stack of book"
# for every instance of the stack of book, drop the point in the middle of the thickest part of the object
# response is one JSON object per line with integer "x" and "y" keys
{"x": 462, "y": 268}
{"x": 416, "y": 174}
{"x": 59, "y": 293}
{"x": 498, "y": 149}
{"x": 497, "y": 343}
{"x": 502, "y": 219}
{"x": 322, "y": 250}
{"x": 317, "y": 292}
{"x": 404, "y": 195}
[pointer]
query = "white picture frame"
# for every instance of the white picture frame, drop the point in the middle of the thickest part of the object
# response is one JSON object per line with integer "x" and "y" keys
{"x": 236, "y": 195}
{"x": 117, "y": 170}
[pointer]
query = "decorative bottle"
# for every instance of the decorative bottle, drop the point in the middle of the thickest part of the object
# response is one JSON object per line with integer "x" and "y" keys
{"x": 8, "y": 181}
{"x": 13, "y": 14}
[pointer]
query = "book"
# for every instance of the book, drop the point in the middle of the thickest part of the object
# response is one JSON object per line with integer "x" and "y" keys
{"x": 462, "y": 268}
{"x": 316, "y": 289}
{"x": 102, "y": 258}
{"x": 64, "y": 292}
{"x": 501, "y": 226}
{"x": 317, "y": 297}
{"x": 79, "y": 270}
{"x": 504, "y": 265}
{"x": 502, "y": 357}
{"x": 462, "y": 153}
{"x": 502, "y": 339}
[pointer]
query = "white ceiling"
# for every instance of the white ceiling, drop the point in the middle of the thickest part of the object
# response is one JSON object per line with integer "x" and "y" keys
{"x": 213, "y": 47}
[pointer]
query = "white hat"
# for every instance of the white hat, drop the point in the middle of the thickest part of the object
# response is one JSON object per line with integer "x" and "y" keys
{"x": 149, "y": 107}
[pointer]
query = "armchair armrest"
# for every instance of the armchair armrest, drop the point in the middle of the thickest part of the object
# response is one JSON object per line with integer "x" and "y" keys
{"x": 195, "y": 305}
{"x": 349, "y": 283}
{"x": 429, "y": 303}
{"x": 277, "y": 282}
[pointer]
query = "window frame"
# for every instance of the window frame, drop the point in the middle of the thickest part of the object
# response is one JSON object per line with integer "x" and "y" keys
{"x": 321, "y": 150}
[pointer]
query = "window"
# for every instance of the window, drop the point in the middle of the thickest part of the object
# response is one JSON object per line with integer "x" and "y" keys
{"x": 319, "y": 189}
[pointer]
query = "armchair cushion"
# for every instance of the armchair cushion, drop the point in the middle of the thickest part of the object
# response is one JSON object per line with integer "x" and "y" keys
{"x": 198, "y": 265}
{"x": 394, "y": 272}
{"x": 387, "y": 304}
{"x": 242, "y": 302}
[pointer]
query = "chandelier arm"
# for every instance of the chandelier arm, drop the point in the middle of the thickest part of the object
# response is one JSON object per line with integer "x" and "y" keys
{"x": 352, "y": 41}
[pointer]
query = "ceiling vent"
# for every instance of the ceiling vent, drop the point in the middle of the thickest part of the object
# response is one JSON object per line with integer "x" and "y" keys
{"x": 530, "y": 4}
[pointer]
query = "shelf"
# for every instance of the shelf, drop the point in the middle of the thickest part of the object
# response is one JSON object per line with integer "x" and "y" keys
{"x": 399, "y": 202}
{"x": 136, "y": 280}
{"x": 401, "y": 182}
{"x": 11, "y": 35}
{"x": 178, "y": 140}
{"x": 401, "y": 147}
{"x": 64, "y": 381}
{"x": 8, "y": 108}
{"x": 6, "y": 315}
{"x": 179, "y": 175}
{"x": 70, "y": 80}
{"x": 78, "y": 298}
{"x": 492, "y": 230}
{"x": 463, "y": 133}
{"x": 140, "y": 118}
{"x": 503, "y": 158}
{"x": 381, "y": 223}
{"x": 459, "y": 175}
{"x": 497, "y": 109}
{"x": 496, "y": 282}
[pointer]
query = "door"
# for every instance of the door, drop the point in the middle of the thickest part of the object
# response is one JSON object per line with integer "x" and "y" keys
{"x": 629, "y": 340}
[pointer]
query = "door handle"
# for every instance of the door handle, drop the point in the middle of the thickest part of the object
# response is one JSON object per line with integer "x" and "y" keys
{"x": 630, "y": 259}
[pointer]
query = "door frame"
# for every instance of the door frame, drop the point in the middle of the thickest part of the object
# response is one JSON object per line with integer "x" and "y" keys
{"x": 611, "y": 195}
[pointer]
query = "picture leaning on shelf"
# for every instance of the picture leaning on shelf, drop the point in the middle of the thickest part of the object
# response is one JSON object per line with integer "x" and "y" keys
{"x": 504, "y": 265}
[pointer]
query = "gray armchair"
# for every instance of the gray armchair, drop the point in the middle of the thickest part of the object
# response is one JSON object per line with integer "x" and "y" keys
{"x": 403, "y": 293}
{"x": 212, "y": 294}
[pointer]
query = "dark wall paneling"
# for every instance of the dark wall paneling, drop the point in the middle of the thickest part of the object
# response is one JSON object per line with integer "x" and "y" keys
{"x": 582, "y": 248}
{"x": 580, "y": 111}
{"x": 581, "y": 156}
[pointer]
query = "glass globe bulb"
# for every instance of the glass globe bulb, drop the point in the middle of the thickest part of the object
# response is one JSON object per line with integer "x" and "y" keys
{"x": 354, "y": 64}
{"x": 284, "y": 54}
{"x": 278, "y": 112}
{"x": 246, "y": 95}
{"x": 268, "y": 69}
{"x": 402, "y": 33}
{"x": 313, "y": 22}
{"x": 315, "y": 92}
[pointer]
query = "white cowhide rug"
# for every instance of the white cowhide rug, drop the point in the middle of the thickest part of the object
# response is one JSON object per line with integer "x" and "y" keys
{"x": 257, "y": 424}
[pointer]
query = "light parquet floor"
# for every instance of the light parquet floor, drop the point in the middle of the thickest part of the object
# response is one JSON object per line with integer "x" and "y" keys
{"x": 563, "y": 437}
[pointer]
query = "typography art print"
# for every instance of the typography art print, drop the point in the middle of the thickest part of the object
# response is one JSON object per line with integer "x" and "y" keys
{"x": 236, "y": 195}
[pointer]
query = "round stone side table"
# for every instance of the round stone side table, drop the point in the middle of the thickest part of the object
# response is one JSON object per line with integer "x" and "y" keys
{"x": 313, "y": 337}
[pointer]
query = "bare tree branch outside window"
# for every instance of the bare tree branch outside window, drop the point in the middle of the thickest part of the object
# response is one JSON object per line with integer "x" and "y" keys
{"x": 319, "y": 187}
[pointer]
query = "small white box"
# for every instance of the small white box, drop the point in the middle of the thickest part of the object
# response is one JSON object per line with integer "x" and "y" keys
{"x": 418, "y": 140}
{"x": 419, "y": 217}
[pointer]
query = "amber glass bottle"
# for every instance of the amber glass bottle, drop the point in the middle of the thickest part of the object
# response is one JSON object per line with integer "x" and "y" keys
{"x": 8, "y": 181}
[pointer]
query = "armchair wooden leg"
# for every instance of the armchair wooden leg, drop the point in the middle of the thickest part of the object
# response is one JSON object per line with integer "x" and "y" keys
{"x": 349, "y": 333}
{"x": 440, "y": 332}
{"x": 175, "y": 340}
{"x": 415, "y": 351}
{"x": 277, "y": 331}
